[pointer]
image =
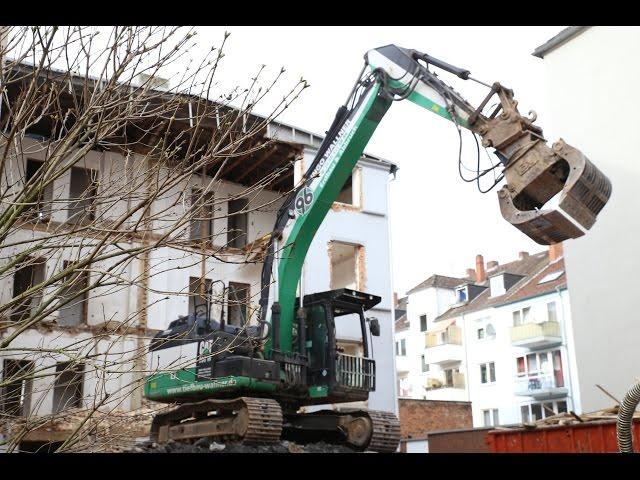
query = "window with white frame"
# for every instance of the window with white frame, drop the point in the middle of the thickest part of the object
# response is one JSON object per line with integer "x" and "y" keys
{"x": 425, "y": 365}
{"x": 490, "y": 417}
{"x": 521, "y": 316}
{"x": 461, "y": 294}
{"x": 449, "y": 376}
{"x": 541, "y": 369}
{"x": 540, "y": 410}
{"x": 552, "y": 315}
{"x": 401, "y": 347}
{"x": 488, "y": 372}
{"x": 423, "y": 323}
{"x": 490, "y": 332}
{"x": 485, "y": 330}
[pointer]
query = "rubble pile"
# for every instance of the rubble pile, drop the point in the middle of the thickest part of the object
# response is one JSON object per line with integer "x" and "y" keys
{"x": 570, "y": 418}
{"x": 206, "y": 446}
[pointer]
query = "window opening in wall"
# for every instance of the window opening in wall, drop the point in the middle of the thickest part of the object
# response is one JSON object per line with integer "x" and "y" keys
{"x": 522, "y": 316}
{"x": 480, "y": 333}
{"x": 41, "y": 210}
{"x": 352, "y": 189}
{"x": 490, "y": 417}
{"x": 199, "y": 296}
{"x": 542, "y": 410}
{"x": 423, "y": 323}
{"x": 551, "y": 312}
{"x": 83, "y": 193}
{"x": 201, "y": 215}
{"x": 345, "y": 260}
{"x": 487, "y": 372}
{"x": 16, "y": 394}
{"x": 74, "y": 291}
{"x": 461, "y": 294}
{"x": 425, "y": 365}
{"x": 449, "y": 375}
{"x": 541, "y": 370}
{"x": 68, "y": 386}
{"x": 237, "y": 223}
{"x": 346, "y": 193}
{"x": 238, "y": 301}
{"x": 349, "y": 347}
{"x": 31, "y": 273}
{"x": 401, "y": 348}
{"x": 490, "y": 331}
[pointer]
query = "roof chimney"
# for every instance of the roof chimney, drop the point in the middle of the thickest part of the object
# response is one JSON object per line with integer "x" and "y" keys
{"x": 481, "y": 274}
{"x": 523, "y": 255}
{"x": 471, "y": 273}
{"x": 555, "y": 252}
{"x": 492, "y": 264}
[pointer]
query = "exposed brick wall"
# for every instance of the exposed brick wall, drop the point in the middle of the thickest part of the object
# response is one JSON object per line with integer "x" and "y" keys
{"x": 419, "y": 417}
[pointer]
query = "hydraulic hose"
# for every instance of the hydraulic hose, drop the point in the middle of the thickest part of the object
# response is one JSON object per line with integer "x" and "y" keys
{"x": 624, "y": 426}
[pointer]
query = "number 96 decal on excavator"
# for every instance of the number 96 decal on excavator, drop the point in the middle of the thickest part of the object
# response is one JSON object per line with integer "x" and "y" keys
{"x": 304, "y": 199}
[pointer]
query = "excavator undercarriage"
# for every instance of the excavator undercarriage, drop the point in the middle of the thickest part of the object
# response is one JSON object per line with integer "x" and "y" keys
{"x": 256, "y": 421}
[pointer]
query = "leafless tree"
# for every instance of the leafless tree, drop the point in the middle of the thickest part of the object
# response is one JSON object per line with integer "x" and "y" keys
{"x": 101, "y": 133}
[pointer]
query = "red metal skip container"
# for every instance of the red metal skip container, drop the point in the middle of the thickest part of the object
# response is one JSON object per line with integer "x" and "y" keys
{"x": 587, "y": 437}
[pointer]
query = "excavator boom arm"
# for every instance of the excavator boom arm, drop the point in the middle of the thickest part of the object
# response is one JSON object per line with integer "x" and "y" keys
{"x": 533, "y": 171}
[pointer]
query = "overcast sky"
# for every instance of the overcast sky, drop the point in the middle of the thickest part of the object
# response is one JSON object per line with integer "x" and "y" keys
{"x": 439, "y": 223}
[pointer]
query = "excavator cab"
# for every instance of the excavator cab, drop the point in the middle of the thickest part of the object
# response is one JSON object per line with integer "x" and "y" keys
{"x": 342, "y": 374}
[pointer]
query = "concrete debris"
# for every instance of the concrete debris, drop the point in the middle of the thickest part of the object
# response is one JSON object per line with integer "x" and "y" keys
{"x": 105, "y": 431}
{"x": 202, "y": 447}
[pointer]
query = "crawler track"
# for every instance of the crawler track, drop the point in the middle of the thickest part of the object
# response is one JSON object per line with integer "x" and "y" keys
{"x": 244, "y": 419}
{"x": 386, "y": 432}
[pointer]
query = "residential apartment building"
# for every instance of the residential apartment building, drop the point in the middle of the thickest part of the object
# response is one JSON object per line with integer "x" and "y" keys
{"x": 585, "y": 67}
{"x": 502, "y": 342}
{"x": 164, "y": 284}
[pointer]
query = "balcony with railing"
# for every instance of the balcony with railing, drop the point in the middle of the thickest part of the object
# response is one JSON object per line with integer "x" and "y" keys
{"x": 456, "y": 380}
{"x": 444, "y": 346}
{"x": 536, "y": 335}
{"x": 541, "y": 385}
{"x": 450, "y": 386}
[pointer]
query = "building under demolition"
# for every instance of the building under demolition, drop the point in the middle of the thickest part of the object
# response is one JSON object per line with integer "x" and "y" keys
{"x": 197, "y": 240}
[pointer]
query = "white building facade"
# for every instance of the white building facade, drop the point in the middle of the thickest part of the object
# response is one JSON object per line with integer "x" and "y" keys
{"x": 504, "y": 343}
{"x": 592, "y": 83}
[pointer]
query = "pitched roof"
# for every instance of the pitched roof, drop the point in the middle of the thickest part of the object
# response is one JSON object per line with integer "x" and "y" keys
{"x": 439, "y": 281}
{"x": 551, "y": 277}
{"x": 532, "y": 268}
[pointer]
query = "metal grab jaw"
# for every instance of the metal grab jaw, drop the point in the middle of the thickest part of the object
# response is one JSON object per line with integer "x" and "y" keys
{"x": 536, "y": 173}
{"x": 541, "y": 173}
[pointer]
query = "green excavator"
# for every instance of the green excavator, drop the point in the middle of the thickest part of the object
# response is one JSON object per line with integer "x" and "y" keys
{"x": 249, "y": 384}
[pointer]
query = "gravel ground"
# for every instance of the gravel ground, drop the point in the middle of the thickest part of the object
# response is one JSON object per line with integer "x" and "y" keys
{"x": 204, "y": 446}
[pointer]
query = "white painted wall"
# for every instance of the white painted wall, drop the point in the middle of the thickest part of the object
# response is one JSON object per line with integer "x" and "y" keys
{"x": 592, "y": 82}
{"x": 369, "y": 228}
{"x": 433, "y": 302}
